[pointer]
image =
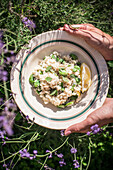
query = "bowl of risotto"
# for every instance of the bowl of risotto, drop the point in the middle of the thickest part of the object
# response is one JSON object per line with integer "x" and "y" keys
{"x": 58, "y": 80}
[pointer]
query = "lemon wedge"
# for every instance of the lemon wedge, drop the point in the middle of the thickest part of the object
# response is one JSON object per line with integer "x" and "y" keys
{"x": 85, "y": 75}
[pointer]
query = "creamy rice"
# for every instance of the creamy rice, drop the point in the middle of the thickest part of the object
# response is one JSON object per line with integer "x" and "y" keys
{"x": 57, "y": 79}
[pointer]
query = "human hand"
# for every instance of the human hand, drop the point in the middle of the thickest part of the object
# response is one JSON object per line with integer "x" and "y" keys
{"x": 94, "y": 37}
{"x": 101, "y": 116}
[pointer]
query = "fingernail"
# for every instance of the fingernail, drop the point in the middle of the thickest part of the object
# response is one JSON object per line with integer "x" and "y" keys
{"x": 67, "y": 133}
{"x": 74, "y": 27}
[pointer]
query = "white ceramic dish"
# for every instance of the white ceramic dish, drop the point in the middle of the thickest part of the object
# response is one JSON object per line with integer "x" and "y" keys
{"x": 32, "y": 105}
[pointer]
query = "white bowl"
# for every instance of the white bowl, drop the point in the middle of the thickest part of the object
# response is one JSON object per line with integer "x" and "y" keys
{"x": 32, "y": 105}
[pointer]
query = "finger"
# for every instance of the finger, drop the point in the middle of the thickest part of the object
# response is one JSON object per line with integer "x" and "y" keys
{"x": 61, "y": 28}
{"x": 81, "y": 127}
{"x": 84, "y": 30}
{"x": 82, "y": 26}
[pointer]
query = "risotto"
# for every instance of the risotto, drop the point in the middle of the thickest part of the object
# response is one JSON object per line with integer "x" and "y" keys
{"x": 57, "y": 79}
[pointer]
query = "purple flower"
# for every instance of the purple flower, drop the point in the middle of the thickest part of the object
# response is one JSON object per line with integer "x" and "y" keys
{"x": 73, "y": 150}
{"x": 76, "y": 164}
{"x": 3, "y": 75}
{"x": 24, "y": 153}
{"x": 1, "y": 46}
{"x": 28, "y": 23}
{"x": 2, "y": 133}
{"x": 48, "y": 151}
{"x": 7, "y": 117}
{"x": 88, "y": 133}
{"x": 1, "y": 101}
{"x": 60, "y": 155}
{"x": 62, "y": 132}
{"x": 27, "y": 118}
{"x": 11, "y": 59}
{"x": 61, "y": 162}
{"x": 35, "y": 152}
{"x": 95, "y": 129}
{"x": 2, "y": 49}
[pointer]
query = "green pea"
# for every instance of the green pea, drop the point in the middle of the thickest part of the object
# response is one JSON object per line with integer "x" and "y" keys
{"x": 63, "y": 72}
{"x": 36, "y": 83}
{"x": 31, "y": 79}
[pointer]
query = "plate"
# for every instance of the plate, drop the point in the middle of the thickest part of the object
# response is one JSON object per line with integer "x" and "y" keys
{"x": 32, "y": 105}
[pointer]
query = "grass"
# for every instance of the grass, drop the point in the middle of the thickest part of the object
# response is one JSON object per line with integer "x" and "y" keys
{"x": 94, "y": 152}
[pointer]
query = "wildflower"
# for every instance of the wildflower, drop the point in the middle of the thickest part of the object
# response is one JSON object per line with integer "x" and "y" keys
{"x": 95, "y": 129}
{"x": 1, "y": 101}
{"x": 60, "y": 155}
{"x": 50, "y": 156}
{"x": 28, "y": 23}
{"x": 3, "y": 137}
{"x": 7, "y": 117}
{"x": 3, "y": 75}
{"x": 24, "y": 153}
{"x": 61, "y": 162}
{"x": 27, "y": 118}
{"x": 1, "y": 46}
{"x": 73, "y": 150}
{"x": 11, "y": 59}
{"x": 35, "y": 153}
{"x": 88, "y": 133}
{"x": 76, "y": 164}
{"x": 2, "y": 49}
{"x": 62, "y": 132}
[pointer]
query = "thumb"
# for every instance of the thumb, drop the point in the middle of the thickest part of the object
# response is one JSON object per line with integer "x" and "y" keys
{"x": 81, "y": 127}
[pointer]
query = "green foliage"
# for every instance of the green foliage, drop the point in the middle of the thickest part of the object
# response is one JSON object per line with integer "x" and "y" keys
{"x": 50, "y": 15}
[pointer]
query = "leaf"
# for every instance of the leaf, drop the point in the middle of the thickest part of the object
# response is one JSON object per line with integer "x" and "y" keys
{"x": 54, "y": 93}
{"x": 73, "y": 87}
{"x": 2, "y": 91}
{"x": 53, "y": 56}
{"x": 65, "y": 79}
{"x": 70, "y": 103}
{"x": 110, "y": 63}
{"x": 62, "y": 88}
{"x": 48, "y": 79}
{"x": 61, "y": 106}
{"x": 48, "y": 68}
{"x": 38, "y": 91}
{"x": 57, "y": 59}
{"x": 61, "y": 60}
{"x": 73, "y": 56}
{"x": 41, "y": 72}
{"x": 73, "y": 76}
{"x": 73, "y": 97}
{"x": 76, "y": 78}
{"x": 61, "y": 84}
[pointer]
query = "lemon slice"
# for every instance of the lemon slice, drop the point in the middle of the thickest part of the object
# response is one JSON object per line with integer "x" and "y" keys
{"x": 85, "y": 75}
